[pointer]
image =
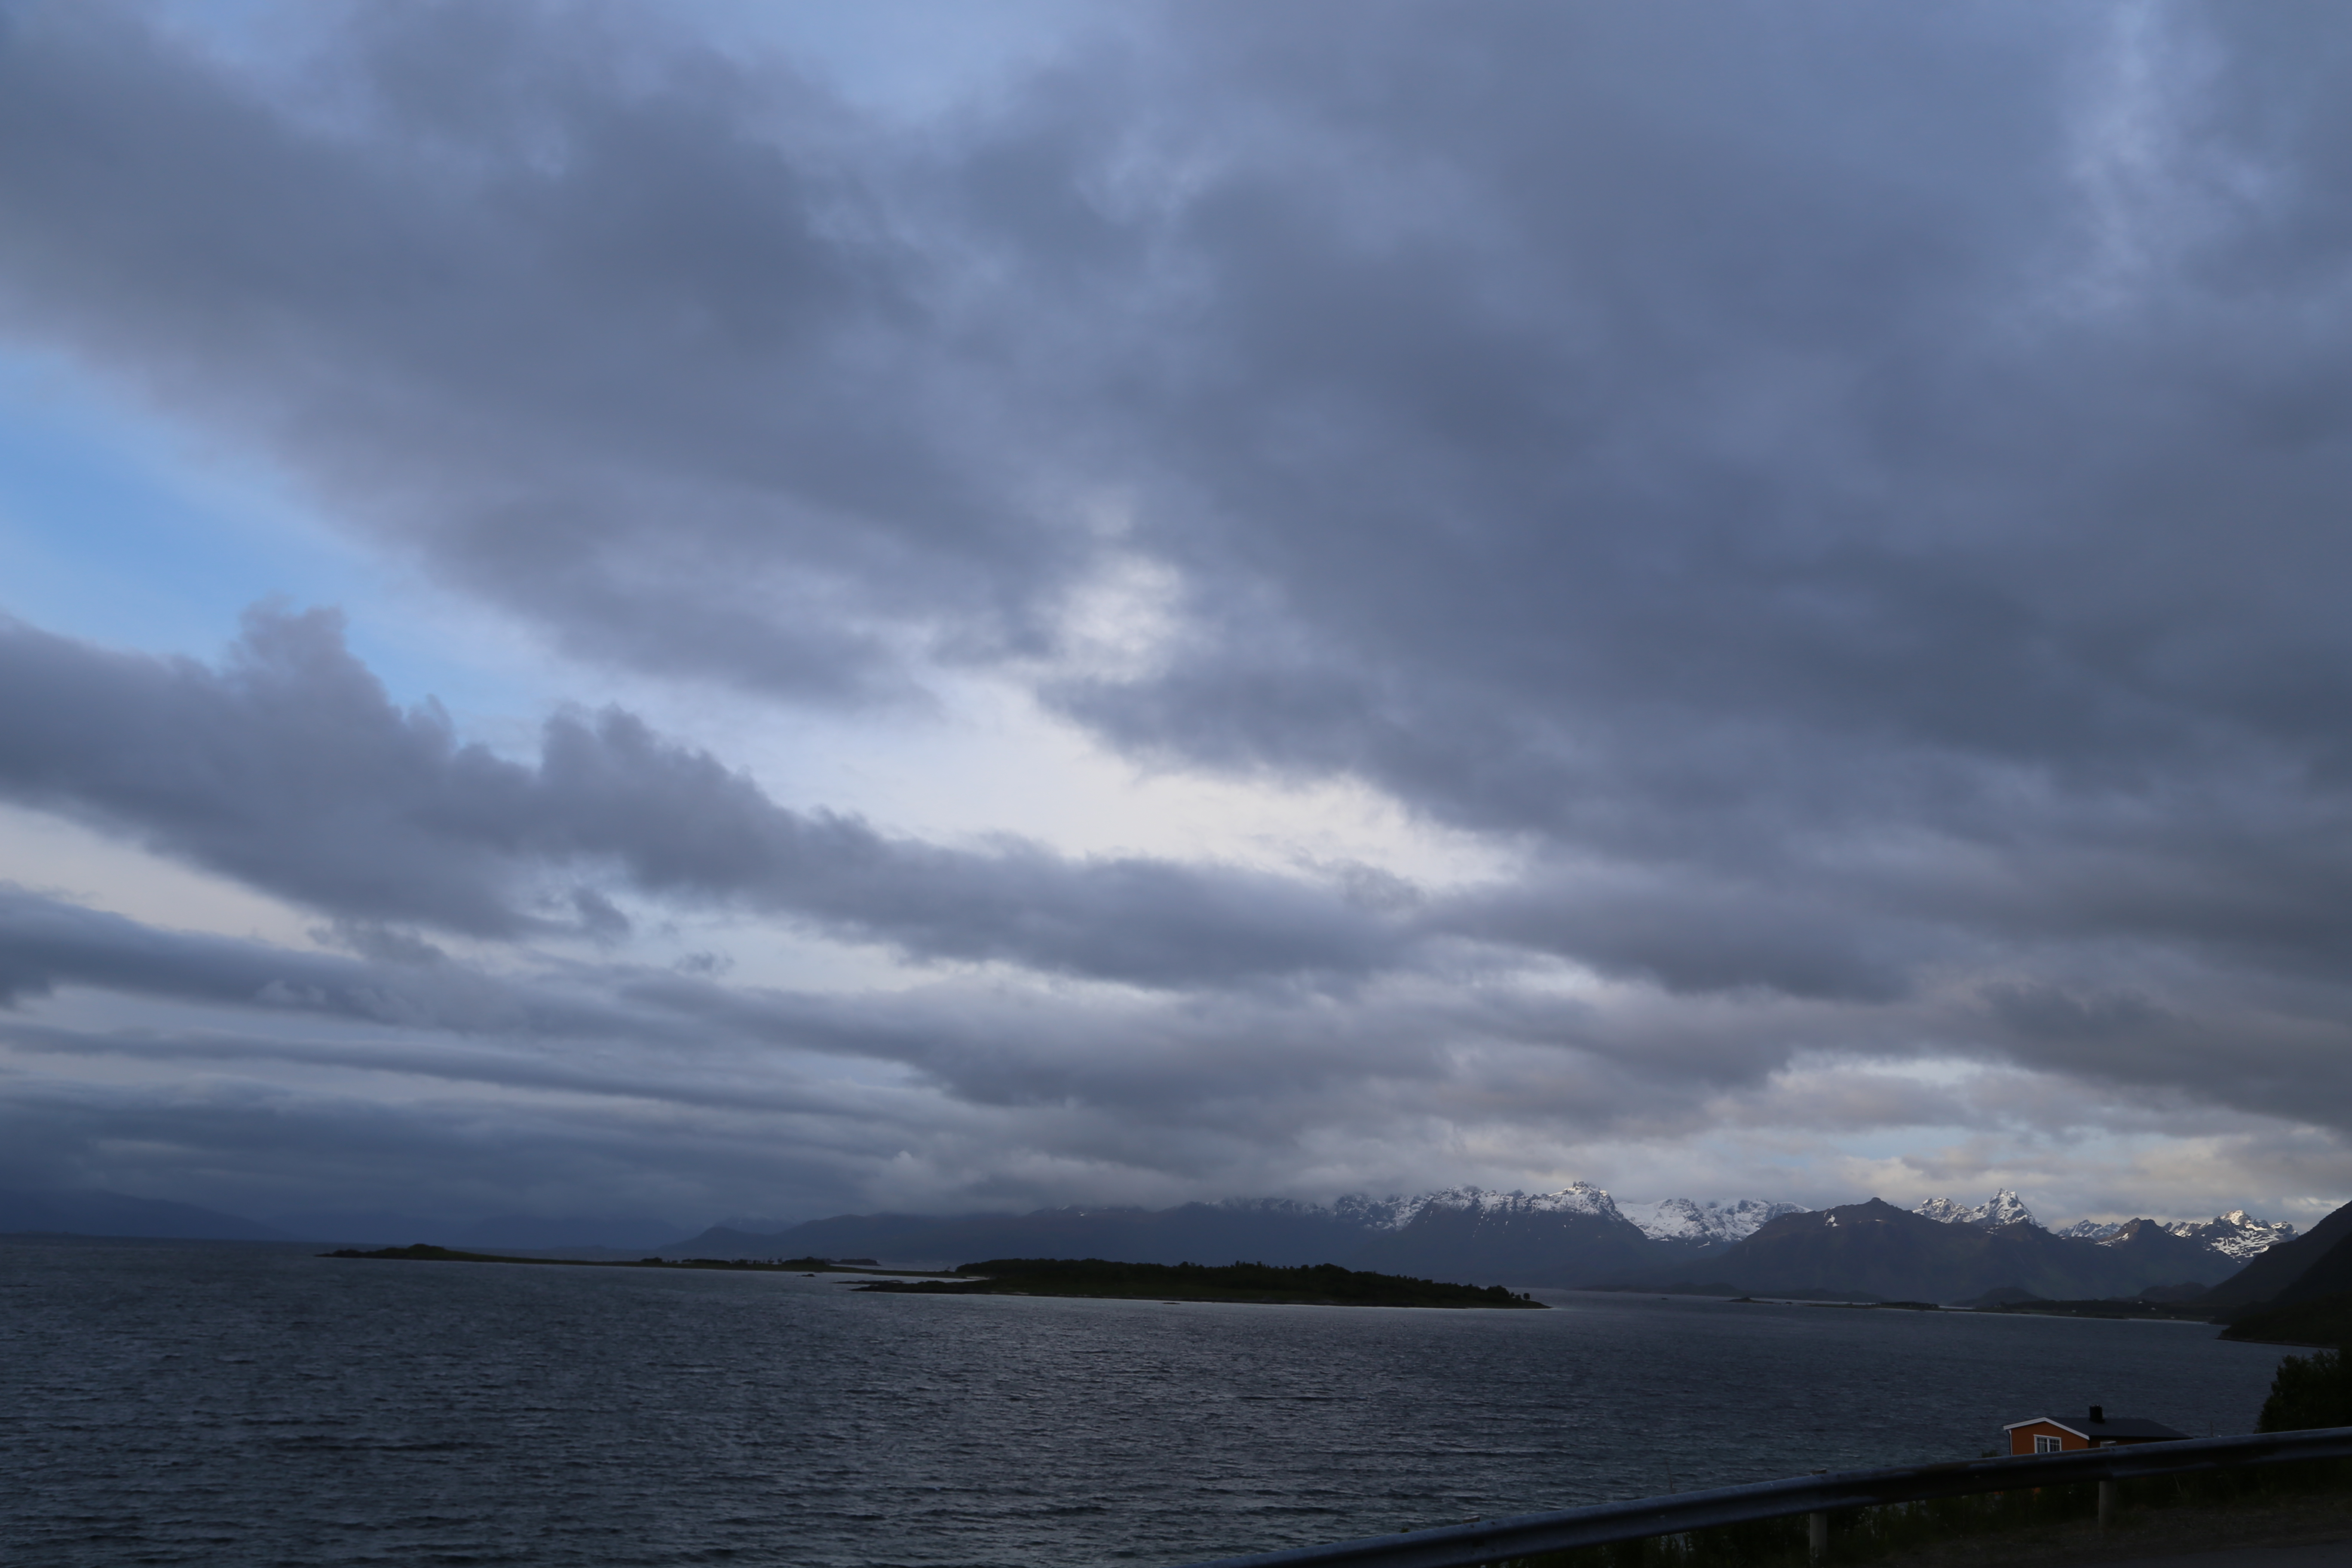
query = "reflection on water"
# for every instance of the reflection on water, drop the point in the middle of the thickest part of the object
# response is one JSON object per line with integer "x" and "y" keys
{"x": 165, "y": 1403}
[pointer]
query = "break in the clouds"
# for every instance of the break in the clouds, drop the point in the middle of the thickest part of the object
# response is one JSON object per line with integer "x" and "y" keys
{"x": 1839, "y": 508}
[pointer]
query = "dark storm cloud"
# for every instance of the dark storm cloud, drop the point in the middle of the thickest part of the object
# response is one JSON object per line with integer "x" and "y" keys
{"x": 1246, "y": 1065}
{"x": 47, "y": 943}
{"x": 1261, "y": 1067}
{"x": 291, "y": 770}
{"x": 529, "y": 285}
{"x": 1853, "y": 493}
{"x": 274, "y": 1148}
{"x": 287, "y": 1072}
{"x": 1704, "y": 440}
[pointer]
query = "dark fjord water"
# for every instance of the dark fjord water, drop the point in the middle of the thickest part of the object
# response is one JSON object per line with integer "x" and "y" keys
{"x": 250, "y": 1405}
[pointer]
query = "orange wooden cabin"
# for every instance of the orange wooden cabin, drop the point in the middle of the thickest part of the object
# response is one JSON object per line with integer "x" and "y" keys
{"x": 2051, "y": 1434}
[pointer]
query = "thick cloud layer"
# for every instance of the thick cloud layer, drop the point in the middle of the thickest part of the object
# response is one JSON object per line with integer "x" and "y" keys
{"x": 1847, "y": 496}
{"x": 292, "y": 771}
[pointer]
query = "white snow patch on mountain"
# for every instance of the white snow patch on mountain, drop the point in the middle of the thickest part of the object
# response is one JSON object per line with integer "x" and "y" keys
{"x": 1577, "y": 1197}
{"x": 2004, "y": 1207}
{"x": 1376, "y": 1213}
{"x": 1685, "y": 1219}
{"x": 2237, "y": 1234}
{"x": 1680, "y": 1219}
{"x": 1394, "y": 1213}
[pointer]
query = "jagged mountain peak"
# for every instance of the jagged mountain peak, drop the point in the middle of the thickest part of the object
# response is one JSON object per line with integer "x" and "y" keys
{"x": 2004, "y": 1207}
{"x": 1680, "y": 1219}
{"x": 1395, "y": 1212}
{"x": 2236, "y": 1235}
{"x": 1688, "y": 1219}
{"x": 1577, "y": 1197}
{"x": 1704, "y": 1221}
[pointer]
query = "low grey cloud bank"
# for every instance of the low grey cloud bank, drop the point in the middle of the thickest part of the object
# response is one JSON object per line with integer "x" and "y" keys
{"x": 970, "y": 1093}
{"x": 291, "y": 769}
{"x": 1846, "y": 499}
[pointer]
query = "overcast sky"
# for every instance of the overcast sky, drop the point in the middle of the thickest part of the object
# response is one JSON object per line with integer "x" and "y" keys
{"x": 762, "y": 610}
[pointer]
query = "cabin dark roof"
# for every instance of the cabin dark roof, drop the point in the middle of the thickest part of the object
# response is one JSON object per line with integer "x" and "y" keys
{"x": 2099, "y": 1425}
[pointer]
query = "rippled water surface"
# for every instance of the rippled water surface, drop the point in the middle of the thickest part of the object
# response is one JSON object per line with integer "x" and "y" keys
{"x": 235, "y": 1404}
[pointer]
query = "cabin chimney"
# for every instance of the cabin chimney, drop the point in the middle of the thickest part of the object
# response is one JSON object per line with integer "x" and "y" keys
{"x": 2098, "y": 1413}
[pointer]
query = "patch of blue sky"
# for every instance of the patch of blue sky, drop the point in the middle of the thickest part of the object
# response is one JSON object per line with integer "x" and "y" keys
{"x": 910, "y": 59}
{"x": 121, "y": 529}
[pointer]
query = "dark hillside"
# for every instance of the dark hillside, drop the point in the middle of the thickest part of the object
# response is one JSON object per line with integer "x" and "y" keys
{"x": 2147, "y": 1254}
{"x": 2330, "y": 1274}
{"x": 2273, "y": 1272}
{"x": 2324, "y": 1321}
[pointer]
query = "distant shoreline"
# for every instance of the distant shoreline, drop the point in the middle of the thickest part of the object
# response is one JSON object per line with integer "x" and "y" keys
{"x": 421, "y": 1253}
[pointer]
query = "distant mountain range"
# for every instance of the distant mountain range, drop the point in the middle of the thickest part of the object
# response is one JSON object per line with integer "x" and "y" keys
{"x": 113, "y": 1214}
{"x": 1705, "y": 1224}
{"x": 1942, "y": 1253}
{"x": 2267, "y": 1283}
{"x": 2236, "y": 1235}
{"x": 1946, "y": 1252}
{"x": 2004, "y": 1207}
{"x": 1570, "y": 1236}
{"x": 1577, "y": 1235}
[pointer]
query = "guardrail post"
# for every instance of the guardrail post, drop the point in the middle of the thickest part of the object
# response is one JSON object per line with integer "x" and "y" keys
{"x": 2106, "y": 1505}
{"x": 1817, "y": 1539}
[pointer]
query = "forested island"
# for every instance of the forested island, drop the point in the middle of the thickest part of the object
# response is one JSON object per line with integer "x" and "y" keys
{"x": 1322, "y": 1284}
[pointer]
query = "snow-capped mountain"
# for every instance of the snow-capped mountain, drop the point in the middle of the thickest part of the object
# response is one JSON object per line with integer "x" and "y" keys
{"x": 1874, "y": 1249}
{"x": 1668, "y": 1219}
{"x": 1395, "y": 1213}
{"x": 2004, "y": 1207}
{"x": 1710, "y": 1223}
{"x": 1372, "y": 1213}
{"x": 2237, "y": 1236}
{"x": 1576, "y": 1236}
{"x": 1565, "y": 1238}
{"x": 1577, "y": 1197}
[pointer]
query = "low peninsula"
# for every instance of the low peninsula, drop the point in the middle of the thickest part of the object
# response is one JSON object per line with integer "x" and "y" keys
{"x": 1321, "y": 1284}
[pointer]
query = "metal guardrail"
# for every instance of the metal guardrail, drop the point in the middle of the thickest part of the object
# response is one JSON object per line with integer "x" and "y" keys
{"x": 1523, "y": 1535}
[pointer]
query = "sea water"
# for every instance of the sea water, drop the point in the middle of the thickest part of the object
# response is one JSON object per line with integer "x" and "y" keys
{"x": 218, "y": 1404}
